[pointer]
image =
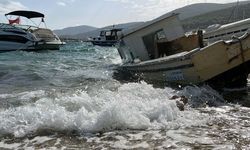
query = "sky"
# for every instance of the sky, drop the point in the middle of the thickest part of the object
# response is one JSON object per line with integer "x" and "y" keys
{"x": 98, "y": 13}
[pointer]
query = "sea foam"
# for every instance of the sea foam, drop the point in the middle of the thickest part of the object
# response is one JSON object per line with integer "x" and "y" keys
{"x": 131, "y": 106}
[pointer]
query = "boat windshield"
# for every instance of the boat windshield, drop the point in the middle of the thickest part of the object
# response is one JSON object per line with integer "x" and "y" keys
{"x": 102, "y": 33}
{"x": 6, "y": 27}
{"x": 25, "y": 27}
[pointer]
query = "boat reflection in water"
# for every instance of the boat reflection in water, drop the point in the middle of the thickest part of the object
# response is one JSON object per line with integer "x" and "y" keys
{"x": 14, "y": 36}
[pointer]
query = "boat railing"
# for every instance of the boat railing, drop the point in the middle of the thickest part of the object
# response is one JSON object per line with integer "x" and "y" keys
{"x": 26, "y": 27}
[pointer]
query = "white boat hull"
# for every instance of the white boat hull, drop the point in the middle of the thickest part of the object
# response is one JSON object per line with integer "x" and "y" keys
{"x": 13, "y": 46}
{"x": 14, "y": 38}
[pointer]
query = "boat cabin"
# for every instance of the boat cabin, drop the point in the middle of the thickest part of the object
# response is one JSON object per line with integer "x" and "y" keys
{"x": 160, "y": 37}
{"x": 108, "y": 37}
{"x": 110, "y": 34}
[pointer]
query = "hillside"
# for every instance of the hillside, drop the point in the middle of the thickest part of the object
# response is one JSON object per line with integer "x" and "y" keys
{"x": 74, "y": 30}
{"x": 217, "y": 17}
{"x": 96, "y": 32}
{"x": 198, "y": 9}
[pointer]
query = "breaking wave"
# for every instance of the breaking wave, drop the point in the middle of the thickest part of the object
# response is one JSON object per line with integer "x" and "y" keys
{"x": 131, "y": 106}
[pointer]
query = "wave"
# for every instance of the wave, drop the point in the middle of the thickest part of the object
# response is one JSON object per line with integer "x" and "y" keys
{"x": 137, "y": 106}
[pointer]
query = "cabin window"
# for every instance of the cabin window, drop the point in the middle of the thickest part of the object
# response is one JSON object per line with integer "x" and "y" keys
{"x": 108, "y": 33}
{"x": 102, "y": 33}
{"x": 237, "y": 31}
{"x": 150, "y": 42}
{"x": 211, "y": 37}
{"x": 113, "y": 33}
{"x": 161, "y": 35}
{"x": 244, "y": 30}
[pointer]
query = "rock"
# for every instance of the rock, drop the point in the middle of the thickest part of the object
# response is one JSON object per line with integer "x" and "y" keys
{"x": 184, "y": 100}
{"x": 174, "y": 97}
{"x": 181, "y": 101}
{"x": 180, "y": 105}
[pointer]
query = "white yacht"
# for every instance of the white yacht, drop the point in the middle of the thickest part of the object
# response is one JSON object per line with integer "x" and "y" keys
{"x": 14, "y": 36}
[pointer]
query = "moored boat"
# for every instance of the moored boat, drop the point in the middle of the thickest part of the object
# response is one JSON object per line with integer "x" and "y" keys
{"x": 14, "y": 36}
{"x": 108, "y": 37}
{"x": 159, "y": 51}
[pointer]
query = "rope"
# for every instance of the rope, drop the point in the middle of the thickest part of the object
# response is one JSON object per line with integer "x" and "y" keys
{"x": 241, "y": 49}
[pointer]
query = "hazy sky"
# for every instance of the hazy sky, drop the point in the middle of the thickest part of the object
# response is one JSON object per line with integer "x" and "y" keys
{"x": 98, "y": 13}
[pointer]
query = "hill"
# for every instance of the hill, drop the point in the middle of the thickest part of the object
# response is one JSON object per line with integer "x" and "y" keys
{"x": 198, "y": 9}
{"x": 192, "y": 16}
{"x": 96, "y": 32}
{"x": 74, "y": 30}
{"x": 223, "y": 16}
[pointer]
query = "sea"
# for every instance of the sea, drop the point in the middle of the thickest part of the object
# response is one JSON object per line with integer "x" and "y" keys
{"x": 69, "y": 99}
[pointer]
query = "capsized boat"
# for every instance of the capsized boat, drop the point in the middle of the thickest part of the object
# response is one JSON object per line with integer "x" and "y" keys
{"x": 14, "y": 36}
{"x": 159, "y": 51}
{"x": 107, "y": 37}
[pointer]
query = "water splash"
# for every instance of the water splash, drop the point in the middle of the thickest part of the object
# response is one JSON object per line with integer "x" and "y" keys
{"x": 202, "y": 96}
{"x": 131, "y": 106}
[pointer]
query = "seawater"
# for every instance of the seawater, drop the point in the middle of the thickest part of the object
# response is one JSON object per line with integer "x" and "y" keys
{"x": 68, "y": 99}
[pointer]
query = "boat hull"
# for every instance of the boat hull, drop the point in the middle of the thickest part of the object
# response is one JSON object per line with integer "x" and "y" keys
{"x": 223, "y": 64}
{"x": 48, "y": 45}
{"x": 104, "y": 43}
{"x": 29, "y": 46}
{"x": 13, "y": 46}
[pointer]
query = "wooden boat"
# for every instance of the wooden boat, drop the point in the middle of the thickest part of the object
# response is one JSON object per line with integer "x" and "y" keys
{"x": 160, "y": 52}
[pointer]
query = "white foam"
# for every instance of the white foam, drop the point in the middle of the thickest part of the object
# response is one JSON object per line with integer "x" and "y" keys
{"x": 27, "y": 143}
{"x": 131, "y": 106}
{"x": 24, "y": 95}
{"x": 9, "y": 146}
{"x": 187, "y": 137}
{"x": 39, "y": 140}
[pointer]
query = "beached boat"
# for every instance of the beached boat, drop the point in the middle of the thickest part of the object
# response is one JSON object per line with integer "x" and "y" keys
{"x": 159, "y": 51}
{"x": 14, "y": 36}
{"x": 108, "y": 37}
